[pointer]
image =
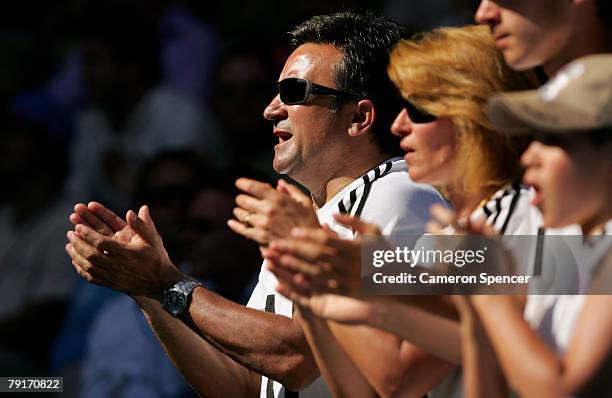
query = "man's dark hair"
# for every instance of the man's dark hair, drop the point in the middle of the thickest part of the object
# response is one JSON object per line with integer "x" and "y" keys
{"x": 365, "y": 41}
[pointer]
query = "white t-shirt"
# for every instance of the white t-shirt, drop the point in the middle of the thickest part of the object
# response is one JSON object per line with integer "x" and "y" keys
{"x": 385, "y": 196}
{"x": 554, "y": 316}
{"x": 510, "y": 212}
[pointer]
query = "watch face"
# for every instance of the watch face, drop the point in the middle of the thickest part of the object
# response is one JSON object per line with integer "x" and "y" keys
{"x": 175, "y": 302}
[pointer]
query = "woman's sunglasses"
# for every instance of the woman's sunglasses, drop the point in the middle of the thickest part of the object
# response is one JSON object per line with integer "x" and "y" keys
{"x": 416, "y": 114}
{"x": 295, "y": 91}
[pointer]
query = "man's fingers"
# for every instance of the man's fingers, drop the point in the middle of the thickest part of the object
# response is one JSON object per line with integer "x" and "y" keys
{"x": 95, "y": 238}
{"x": 76, "y": 258}
{"x": 315, "y": 235}
{"x": 87, "y": 251}
{"x": 145, "y": 215}
{"x": 357, "y": 225}
{"x": 254, "y": 234}
{"x": 88, "y": 217}
{"x": 249, "y": 219}
{"x": 260, "y": 190}
{"x": 76, "y": 219}
{"x": 111, "y": 219}
{"x": 237, "y": 227}
{"x": 295, "y": 193}
{"x": 82, "y": 273}
{"x": 85, "y": 268}
{"x": 250, "y": 204}
{"x": 326, "y": 237}
{"x": 311, "y": 252}
{"x": 146, "y": 232}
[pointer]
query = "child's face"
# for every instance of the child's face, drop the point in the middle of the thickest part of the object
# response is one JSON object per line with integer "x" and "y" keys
{"x": 571, "y": 178}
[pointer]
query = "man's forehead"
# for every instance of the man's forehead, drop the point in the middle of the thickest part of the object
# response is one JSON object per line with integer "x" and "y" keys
{"x": 312, "y": 61}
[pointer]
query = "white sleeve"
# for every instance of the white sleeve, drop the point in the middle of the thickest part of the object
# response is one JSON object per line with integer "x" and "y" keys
{"x": 258, "y": 296}
{"x": 400, "y": 206}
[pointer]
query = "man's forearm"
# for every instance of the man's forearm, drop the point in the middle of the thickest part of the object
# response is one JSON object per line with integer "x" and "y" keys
{"x": 269, "y": 344}
{"x": 210, "y": 372}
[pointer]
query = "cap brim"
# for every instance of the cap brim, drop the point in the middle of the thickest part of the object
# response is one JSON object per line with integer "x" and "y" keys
{"x": 525, "y": 112}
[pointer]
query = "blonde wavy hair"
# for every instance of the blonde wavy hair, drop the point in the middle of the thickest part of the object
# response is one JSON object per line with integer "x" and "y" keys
{"x": 451, "y": 72}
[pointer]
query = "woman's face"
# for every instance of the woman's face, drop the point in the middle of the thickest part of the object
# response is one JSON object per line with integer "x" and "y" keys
{"x": 572, "y": 182}
{"x": 429, "y": 147}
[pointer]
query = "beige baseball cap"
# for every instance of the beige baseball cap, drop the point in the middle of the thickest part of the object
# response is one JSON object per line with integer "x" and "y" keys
{"x": 578, "y": 97}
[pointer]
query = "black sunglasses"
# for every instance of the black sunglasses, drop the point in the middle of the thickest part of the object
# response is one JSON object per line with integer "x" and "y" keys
{"x": 295, "y": 91}
{"x": 416, "y": 114}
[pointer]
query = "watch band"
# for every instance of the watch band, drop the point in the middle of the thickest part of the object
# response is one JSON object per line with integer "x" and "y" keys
{"x": 175, "y": 299}
{"x": 186, "y": 285}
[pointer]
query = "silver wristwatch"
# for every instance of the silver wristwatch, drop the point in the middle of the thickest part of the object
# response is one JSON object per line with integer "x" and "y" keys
{"x": 175, "y": 298}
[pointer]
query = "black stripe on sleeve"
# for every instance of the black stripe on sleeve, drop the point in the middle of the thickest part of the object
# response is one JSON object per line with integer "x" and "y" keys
{"x": 498, "y": 208}
{"x": 364, "y": 197}
{"x": 352, "y": 199}
{"x": 270, "y": 389}
{"x": 341, "y": 207}
{"x": 270, "y": 308}
{"x": 376, "y": 173}
{"x": 486, "y": 210}
{"x": 270, "y": 303}
{"x": 515, "y": 200}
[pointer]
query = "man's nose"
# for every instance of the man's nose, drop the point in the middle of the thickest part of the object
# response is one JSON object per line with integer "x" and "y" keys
{"x": 402, "y": 125}
{"x": 487, "y": 13}
{"x": 275, "y": 109}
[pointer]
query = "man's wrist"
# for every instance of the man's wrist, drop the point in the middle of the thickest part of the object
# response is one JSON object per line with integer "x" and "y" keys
{"x": 169, "y": 278}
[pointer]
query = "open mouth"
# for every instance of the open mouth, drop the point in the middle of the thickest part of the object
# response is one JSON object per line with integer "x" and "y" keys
{"x": 537, "y": 198}
{"x": 283, "y": 136}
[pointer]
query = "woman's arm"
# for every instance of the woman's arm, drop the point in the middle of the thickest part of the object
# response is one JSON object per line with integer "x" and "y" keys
{"x": 532, "y": 368}
{"x": 482, "y": 376}
{"x": 340, "y": 373}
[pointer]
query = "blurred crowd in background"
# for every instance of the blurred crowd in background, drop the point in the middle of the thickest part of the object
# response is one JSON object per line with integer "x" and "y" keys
{"x": 132, "y": 102}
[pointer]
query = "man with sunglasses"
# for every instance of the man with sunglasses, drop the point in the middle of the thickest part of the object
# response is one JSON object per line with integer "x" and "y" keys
{"x": 332, "y": 115}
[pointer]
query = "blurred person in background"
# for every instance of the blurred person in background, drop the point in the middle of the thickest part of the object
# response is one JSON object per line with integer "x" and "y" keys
{"x": 35, "y": 289}
{"x": 242, "y": 82}
{"x": 130, "y": 116}
{"x": 221, "y": 259}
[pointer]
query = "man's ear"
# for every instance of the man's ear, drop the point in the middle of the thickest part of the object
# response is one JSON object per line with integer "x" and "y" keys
{"x": 363, "y": 118}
